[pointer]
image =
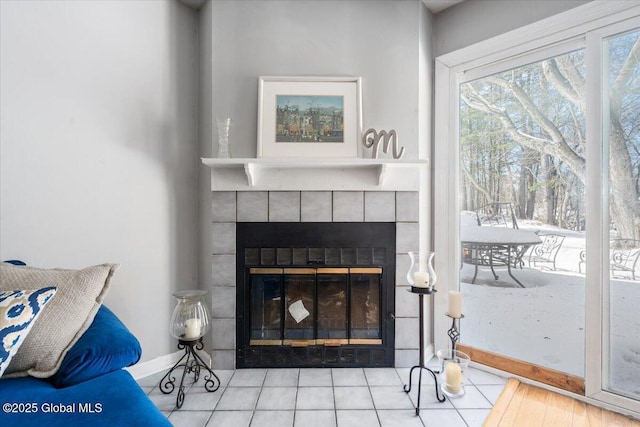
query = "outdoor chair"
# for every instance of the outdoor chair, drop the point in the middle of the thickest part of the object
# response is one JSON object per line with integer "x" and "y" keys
{"x": 623, "y": 257}
{"x": 500, "y": 215}
{"x": 547, "y": 252}
{"x": 497, "y": 215}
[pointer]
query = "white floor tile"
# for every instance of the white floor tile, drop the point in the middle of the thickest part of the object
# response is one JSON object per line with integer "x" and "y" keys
{"x": 479, "y": 377}
{"x": 272, "y": 419}
{"x": 472, "y": 399}
{"x": 190, "y": 418}
{"x": 353, "y": 398}
{"x": 276, "y": 404}
{"x": 277, "y": 398}
{"x": 428, "y": 398}
{"x": 282, "y": 378}
{"x": 315, "y": 378}
{"x": 248, "y": 378}
{"x": 491, "y": 392}
{"x": 399, "y": 418}
{"x": 315, "y": 419}
{"x": 348, "y": 377}
{"x": 223, "y": 375}
{"x": 474, "y": 417}
{"x": 441, "y": 418}
{"x": 151, "y": 380}
{"x": 382, "y": 376}
{"x": 238, "y": 399}
{"x": 403, "y": 373}
{"x": 390, "y": 398}
{"x": 315, "y": 398}
{"x": 230, "y": 419}
{"x": 164, "y": 402}
{"x": 199, "y": 399}
{"x": 349, "y": 418}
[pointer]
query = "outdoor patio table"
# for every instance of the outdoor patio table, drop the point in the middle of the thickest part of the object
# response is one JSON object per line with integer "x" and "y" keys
{"x": 495, "y": 246}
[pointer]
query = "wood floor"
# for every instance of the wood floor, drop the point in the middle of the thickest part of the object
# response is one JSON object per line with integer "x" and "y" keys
{"x": 523, "y": 405}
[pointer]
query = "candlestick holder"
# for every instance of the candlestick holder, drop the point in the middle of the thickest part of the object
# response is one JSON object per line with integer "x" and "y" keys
{"x": 193, "y": 364}
{"x": 421, "y": 292}
{"x": 453, "y": 332}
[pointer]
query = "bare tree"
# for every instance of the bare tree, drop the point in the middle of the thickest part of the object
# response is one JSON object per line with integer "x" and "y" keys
{"x": 555, "y": 131}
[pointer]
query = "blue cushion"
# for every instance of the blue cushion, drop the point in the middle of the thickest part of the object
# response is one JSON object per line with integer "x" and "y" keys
{"x": 106, "y": 401}
{"x": 105, "y": 347}
{"x": 18, "y": 313}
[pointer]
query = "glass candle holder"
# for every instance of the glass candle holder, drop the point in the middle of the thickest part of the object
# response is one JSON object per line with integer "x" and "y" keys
{"x": 190, "y": 319}
{"x": 454, "y": 365}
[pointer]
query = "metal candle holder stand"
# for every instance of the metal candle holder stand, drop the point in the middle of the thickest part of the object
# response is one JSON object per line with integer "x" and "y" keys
{"x": 407, "y": 388}
{"x": 193, "y": 363}
{"x": 454, "y": 334}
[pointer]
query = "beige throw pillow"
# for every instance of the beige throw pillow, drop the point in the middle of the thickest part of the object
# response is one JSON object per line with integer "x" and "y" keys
{"x": 68, "y": 315}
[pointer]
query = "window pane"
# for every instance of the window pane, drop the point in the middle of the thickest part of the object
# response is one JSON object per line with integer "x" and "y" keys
{"x": 622, "y": 141}
{"x": 299, "y": 315}
{"x": 365, "y": 306}
{"x": 332, "y": 306}
{"x": 522, "y": 163}
{"x": 265, "y": 306}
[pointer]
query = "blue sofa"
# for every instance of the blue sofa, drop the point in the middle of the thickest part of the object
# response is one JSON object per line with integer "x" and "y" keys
{"x": 90, "y": 388}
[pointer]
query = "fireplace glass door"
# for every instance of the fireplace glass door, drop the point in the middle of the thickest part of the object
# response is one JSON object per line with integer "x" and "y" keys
{"x": 315, "y": 306}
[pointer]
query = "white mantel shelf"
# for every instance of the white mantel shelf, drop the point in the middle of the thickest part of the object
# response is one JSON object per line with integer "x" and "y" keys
{"x": 292, "y": 174}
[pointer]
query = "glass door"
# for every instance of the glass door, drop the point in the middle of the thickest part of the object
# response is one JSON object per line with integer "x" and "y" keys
{"x": 621, "y": 134}
{"x": 522, "y": 212}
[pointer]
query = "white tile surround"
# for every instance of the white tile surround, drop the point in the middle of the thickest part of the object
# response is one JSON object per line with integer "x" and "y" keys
{"x": 229, "y": 207}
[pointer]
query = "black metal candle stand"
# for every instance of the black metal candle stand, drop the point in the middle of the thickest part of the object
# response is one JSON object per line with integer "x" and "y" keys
{"x": 407, "y": 387}
{"x": 453, "y": 332}
{"x": 191, "y": 362}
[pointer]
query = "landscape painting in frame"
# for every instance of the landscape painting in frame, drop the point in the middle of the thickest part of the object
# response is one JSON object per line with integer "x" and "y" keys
{"x": 309, "y": 117}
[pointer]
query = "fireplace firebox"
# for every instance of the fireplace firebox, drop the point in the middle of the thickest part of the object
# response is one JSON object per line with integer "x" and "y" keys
{"x": 315, "y": 294}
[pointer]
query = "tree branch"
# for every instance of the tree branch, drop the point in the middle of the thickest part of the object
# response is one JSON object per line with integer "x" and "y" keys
{"x": 564, "y": 85}
{"x": 625, "y": 74}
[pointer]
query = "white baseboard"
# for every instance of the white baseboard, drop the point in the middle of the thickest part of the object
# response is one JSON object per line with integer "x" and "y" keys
{"x": 162, "y": 363}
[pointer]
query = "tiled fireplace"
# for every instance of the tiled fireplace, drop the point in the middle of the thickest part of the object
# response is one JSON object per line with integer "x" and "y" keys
{"x": 322, "y": 207}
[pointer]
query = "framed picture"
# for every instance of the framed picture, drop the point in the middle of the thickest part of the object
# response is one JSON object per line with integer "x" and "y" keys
{"x": 309, "y": 116}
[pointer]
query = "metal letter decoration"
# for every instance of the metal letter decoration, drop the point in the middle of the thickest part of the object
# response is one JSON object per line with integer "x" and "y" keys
{"x": 371, "y": 138}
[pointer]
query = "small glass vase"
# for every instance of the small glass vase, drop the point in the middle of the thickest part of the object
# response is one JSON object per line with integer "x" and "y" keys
{"x": 190, "y": 319}
{"x": 224, "y": 126}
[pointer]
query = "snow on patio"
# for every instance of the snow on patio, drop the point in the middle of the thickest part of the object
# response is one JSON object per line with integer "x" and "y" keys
{"x": 544, "y": 323}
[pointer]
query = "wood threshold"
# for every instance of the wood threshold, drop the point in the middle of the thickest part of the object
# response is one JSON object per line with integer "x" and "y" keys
{"x": 561, "y": 380}
{"x": 524, "y": 405}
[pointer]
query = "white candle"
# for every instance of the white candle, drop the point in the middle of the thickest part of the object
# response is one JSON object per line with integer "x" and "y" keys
{"x": 453, "y": 377}
{"x": 192, "y": 328}
{"x": 421, "y": 279}
{"x": 455, "y": 304}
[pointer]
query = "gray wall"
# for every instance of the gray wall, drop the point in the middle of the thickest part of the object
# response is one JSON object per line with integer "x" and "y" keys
{"x": 472, "y": 21}
{"x": 377, "y": 40}
{"x": 98, "y": 148}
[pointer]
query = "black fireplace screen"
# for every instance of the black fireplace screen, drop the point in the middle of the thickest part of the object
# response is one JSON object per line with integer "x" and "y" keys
{"x": 329, "y": 302}
{"x": 309, "y": 306}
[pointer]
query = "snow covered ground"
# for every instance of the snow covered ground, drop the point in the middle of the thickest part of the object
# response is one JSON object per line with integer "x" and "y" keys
{"x": 543, "y": 323}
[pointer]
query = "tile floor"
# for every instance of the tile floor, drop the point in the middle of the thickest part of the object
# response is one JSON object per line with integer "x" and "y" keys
{"x": 324, "y": 398}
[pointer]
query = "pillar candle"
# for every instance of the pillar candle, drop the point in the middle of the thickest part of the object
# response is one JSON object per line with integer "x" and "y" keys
{"x": 192, "y": 328}
{"x": 421, "y": 279}
{"x": 455, "y": 304}
{"x": 453, "y": 377}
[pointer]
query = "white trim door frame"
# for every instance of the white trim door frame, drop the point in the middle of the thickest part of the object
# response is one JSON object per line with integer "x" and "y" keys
{"x": 583, "y": 27}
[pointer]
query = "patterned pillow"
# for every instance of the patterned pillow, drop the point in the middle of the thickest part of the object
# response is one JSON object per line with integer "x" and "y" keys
{"x": 18, "y": 313}
{"x": 79, "y": 296}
